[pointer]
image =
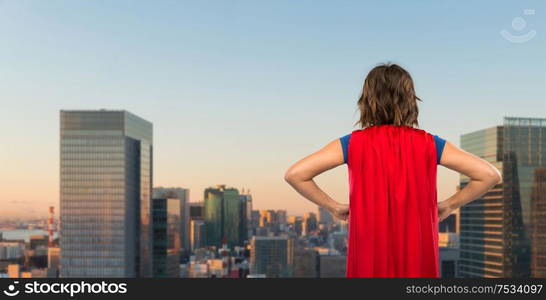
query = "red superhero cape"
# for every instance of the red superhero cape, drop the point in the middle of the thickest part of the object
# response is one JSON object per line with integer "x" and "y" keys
{"x": 393, "y": 219}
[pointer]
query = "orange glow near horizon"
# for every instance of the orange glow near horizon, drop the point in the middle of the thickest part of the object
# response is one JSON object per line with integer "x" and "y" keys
{"x": 28, "y": 193}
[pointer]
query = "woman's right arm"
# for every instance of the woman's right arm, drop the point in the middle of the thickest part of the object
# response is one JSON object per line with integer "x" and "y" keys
{"x": 482, "y": 174}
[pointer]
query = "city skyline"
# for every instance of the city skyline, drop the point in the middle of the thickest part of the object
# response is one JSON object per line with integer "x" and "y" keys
{"x": 110, "y": 228}
{"x": 313, "y": 207}
{"x": 233, "y": 87}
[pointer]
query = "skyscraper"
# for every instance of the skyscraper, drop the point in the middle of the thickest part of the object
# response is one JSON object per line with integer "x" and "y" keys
{"x": 197, "y": 234}
{"x": 197, "y": 225}
{"x": 538, "y": 221}
{"x": 332, "y": 266}
{"x": 166, "y": 237}
{"x": 325, "y": 217}
{"x": 183, "y": 195}
{"x": 254, "y": 221}
{"x": 272, "y": 256}
{"x": 222, "y": 216}
{"x": 246, "y": 216}
{"x": 267, "y": 218}
{"x": 310, "y": 223}
{"x": 296, "y": 224}
{"x": 449, "y": 249}
{"x": 53, "y": 259}
{"x": 105, "y": 194}
{"x": 306, "y": 263}
{"x": 496, "y": 230}
{"x": 269, "y": 222}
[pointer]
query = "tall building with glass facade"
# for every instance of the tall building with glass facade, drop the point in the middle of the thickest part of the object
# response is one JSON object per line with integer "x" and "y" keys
{"x": 197, "y": 225}
{"x": 166, "y": 237}
{"x": 105, "y": 194}
{"x": 183, "y": 195}
{"x": 324, "y": 216}
{"x": 538, "y": 221}
{"x": 197, "y": 234}
{"x": 310, "y": 223}
{"x": 306, "y": 263}
{"x": 497, "y": 230}
{"x": 272, "y": 256}
{"x": 245, "y": 226}
{"x": 332, "y": 266}
{"x": 222, "y": 213}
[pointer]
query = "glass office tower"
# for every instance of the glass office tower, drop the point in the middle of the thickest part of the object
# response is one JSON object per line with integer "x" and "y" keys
{"x": 197, "y": 225}
{"x": 497, "y": 230}
{"x": 184, "y": 196}
{"x": 538, "y": 221}
{"x": 272, "y": 256}
{"x": 222, "y": 212}
{"x": 245, "y": 229}
{"x": 105, "y": 194}
{"x": 166, "y": 237}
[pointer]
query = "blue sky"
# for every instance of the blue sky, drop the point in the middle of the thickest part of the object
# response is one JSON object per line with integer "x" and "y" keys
{"x": 238, "y": 90}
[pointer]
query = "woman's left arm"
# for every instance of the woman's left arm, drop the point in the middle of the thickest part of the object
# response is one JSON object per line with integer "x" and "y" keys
{"x": 300, "y": 177}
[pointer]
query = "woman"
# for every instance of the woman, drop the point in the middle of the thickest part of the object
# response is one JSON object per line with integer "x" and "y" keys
{"x": 393, "y": 212}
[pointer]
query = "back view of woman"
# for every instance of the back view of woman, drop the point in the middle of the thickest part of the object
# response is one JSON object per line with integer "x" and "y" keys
{"x": 393, "y": 211}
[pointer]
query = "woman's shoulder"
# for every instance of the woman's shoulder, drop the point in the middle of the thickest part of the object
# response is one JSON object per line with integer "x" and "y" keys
{"x": 439, "y": 142}
{"x": 406, "y": 128}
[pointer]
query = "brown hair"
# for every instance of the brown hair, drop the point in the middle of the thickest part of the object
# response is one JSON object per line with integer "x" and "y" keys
{"x": 388, "y": 97}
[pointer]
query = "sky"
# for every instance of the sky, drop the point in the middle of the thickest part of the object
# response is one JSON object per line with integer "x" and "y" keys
{"x": 239, "y": 90}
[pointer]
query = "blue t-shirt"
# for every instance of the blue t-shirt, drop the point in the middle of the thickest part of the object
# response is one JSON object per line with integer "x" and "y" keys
{"x": 438, "y": 141}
